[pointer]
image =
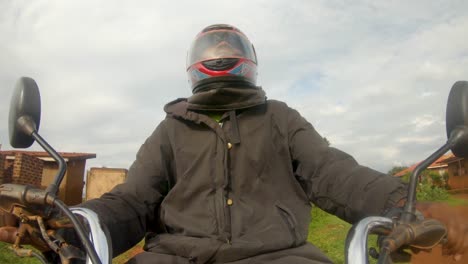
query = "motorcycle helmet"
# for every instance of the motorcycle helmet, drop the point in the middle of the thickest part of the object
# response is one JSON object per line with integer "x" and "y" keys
{"x": 221, "y": 52}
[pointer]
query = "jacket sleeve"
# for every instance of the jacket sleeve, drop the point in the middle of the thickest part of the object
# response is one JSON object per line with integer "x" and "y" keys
{"x": 129, "y": 208}
{"x": 333, "y": 180}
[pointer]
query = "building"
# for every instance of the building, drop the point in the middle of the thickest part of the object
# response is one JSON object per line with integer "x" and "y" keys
{"x": 457, "y": 173}
{"x": 102, "y": 180}
{"x": 37, "y": 168}
{"x": 453, "y": 168}
{"x": 440, "y": 166}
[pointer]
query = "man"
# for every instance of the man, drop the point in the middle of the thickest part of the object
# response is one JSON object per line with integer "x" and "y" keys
{"x": 229, "y": 176}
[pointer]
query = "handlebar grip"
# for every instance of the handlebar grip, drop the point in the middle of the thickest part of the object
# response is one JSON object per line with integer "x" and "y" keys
{"x": 429, "y": 234}
{"x": 423, "y": 234}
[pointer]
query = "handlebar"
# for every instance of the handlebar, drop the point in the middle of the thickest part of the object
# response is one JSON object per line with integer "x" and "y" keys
{"x": 421, "y": 233}
{"x": 21, "y": 196}
{"x": 356, "y": 241}
{"x": 97, "y": 235}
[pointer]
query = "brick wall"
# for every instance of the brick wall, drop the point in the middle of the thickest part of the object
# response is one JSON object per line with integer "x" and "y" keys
{"x": 27, "y": 169}
{"x": 6, "y": 169}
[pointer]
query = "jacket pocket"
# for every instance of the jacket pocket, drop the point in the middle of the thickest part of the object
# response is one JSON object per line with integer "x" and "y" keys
{"x": 289, "y": 221}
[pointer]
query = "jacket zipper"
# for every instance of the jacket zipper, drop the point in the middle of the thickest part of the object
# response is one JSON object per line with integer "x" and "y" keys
{"x": 225, "y": 189}
{"x": 221, "y": 191}
{"x": 226, "y": 209}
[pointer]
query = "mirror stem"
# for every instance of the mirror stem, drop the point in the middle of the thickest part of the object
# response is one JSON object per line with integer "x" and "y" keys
{"x": 409, "y": 212}
{"x": 26, "y": 124}
{"x": 62, "y": 166}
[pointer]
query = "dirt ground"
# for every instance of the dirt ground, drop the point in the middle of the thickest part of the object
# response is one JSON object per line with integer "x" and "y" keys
{"x": 436, "y": 255}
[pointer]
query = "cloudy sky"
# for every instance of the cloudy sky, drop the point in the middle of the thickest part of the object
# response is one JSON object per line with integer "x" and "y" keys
{"x": 371, "y": 76}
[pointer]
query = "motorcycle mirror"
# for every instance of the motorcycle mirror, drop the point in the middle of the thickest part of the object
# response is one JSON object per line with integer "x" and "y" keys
{"x": 457, "y": 119}
{"x": 25, "y": 113}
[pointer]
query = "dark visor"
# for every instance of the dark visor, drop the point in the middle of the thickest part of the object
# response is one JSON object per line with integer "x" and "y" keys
{"x": 220, "y": 44}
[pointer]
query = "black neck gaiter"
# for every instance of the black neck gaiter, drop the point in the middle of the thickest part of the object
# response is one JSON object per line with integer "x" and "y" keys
{"x": 226, "y": 97}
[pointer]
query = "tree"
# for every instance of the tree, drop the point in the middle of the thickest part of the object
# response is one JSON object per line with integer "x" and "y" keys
{"x": 396, "y": 169}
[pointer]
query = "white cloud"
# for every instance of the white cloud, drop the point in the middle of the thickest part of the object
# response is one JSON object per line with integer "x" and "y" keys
{"x": 390, "y": 152}
{"x": 328, "y": 110}
{"x": 372, "y": 77}
{"x": 421, "y": 122}
{"x": 418, "y": 140}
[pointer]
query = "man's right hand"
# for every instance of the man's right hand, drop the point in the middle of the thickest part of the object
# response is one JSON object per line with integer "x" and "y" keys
{"x": 8, "y": 234}
{"x": 8, "y": 230}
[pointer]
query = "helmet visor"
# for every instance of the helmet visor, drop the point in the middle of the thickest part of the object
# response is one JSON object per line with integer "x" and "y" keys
{"x": 220, "y": 44}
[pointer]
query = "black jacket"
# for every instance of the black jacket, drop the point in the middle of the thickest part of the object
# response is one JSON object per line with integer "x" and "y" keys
{"x": 209, "y": 193}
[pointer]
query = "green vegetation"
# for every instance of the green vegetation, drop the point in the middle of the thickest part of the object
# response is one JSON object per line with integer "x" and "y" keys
{"x": 454, "y": 201}
{"x": 431, "y": 187}
{"x": 429, "y": 192}
{"x": 328, "y": 233}
{"x": 123, "y": 258}
{"x": 396, "y": 169}
{"x": 8, "y": 257}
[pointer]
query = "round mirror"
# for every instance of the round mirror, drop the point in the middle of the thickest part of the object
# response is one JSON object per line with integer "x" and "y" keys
{"x": 25, "y": 113}
{"x": 457, "y": 118}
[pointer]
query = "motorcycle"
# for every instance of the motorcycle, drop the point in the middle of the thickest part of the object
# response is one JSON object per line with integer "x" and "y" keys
{"x": 37, "y": 209}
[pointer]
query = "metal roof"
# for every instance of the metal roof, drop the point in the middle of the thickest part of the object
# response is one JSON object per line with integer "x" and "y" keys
{"x": 68, "y": 156}
{"x": 439, "y": 163}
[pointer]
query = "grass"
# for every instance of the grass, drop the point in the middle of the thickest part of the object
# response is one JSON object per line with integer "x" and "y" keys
{"x": 121, "y": 259}
{"x": 454, "y": 201}
{"x": 326, "y": 231}
{"x": 7, "y": 256}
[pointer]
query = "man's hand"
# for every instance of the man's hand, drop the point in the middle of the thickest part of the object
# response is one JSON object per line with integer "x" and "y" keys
{"x": 8, "y": 234}
{"x": 8, "y": 230}
{"x": 455, "y": 219}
